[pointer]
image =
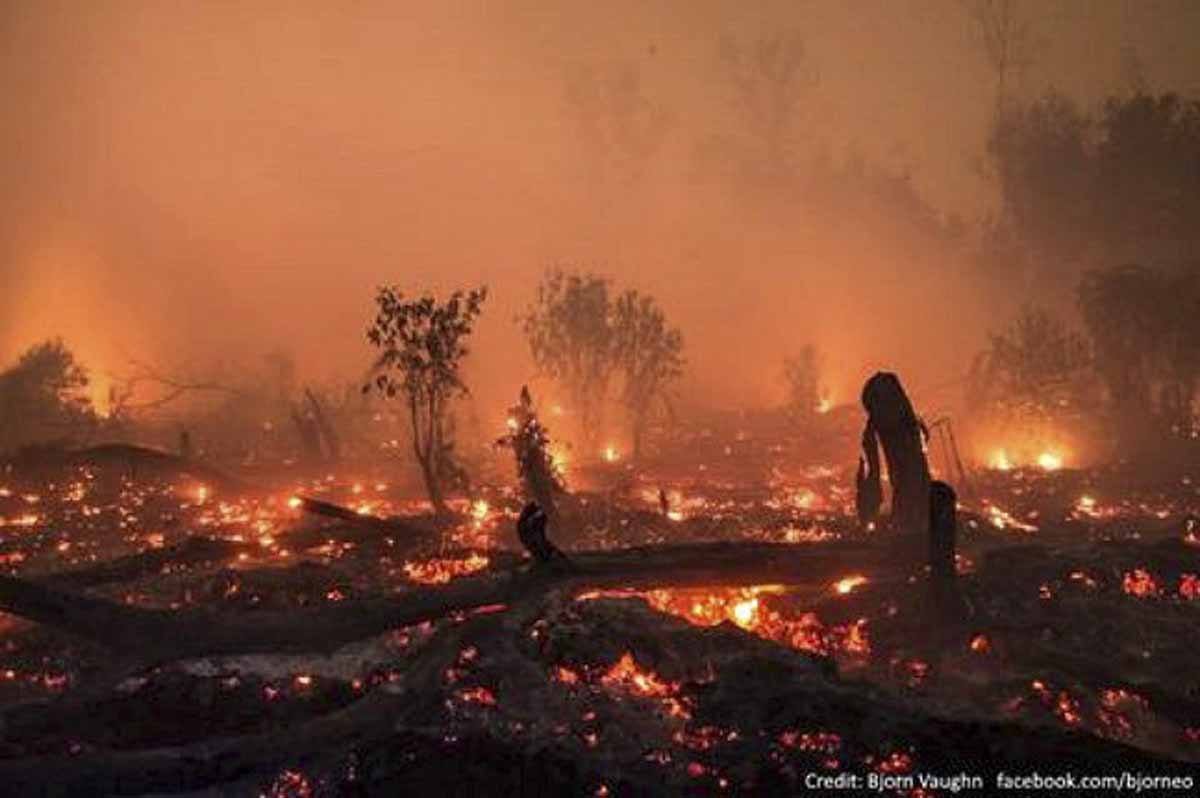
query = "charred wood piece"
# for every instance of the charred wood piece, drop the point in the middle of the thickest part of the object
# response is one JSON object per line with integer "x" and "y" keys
{"x": 943, "y": 529}
{"x": 869, "y": 489}
{"x": 531, "y": 529}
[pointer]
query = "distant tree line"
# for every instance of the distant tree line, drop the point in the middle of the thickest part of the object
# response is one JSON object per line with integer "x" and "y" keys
{"x": 1137, "y": 366}
{"x": 1085, "y": 190}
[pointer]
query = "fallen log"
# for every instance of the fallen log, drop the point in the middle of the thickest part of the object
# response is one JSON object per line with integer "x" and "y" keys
{"x": 337, "y": 511}
{"x": 361, "y": 528}
{"x": 354, "y": 518}
{"x": 170, "y": 635}
{"x": 191, "y": 551}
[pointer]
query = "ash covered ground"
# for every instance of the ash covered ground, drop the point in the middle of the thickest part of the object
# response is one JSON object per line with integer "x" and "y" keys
{"x": 1077, "y": 650}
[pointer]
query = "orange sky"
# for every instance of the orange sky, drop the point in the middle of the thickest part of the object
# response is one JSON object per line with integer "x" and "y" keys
{"x": 179, "y": 179}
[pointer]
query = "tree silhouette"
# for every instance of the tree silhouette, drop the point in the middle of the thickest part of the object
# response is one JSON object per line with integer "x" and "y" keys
{"x": 802, "y": 374}
{"x": 422, "y": 345}
{"x": 43, "y": 397}
{"x": 1082, "y": 191}
{"x": 1145, "y": 330}
{"x": 530, "y": 442}
{"x": 571, "y": 339}
{"x": 1033, "y": 373}
{"x": 649, "y": 354}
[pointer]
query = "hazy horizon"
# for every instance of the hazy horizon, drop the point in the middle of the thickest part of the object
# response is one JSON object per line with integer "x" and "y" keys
{"x": 187, "y": 180}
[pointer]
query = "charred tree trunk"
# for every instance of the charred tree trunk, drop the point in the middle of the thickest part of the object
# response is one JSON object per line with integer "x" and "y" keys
{"x": 892, "y": 422}
{"x": 869, "y": 494}
{"x": 943, "y": 529}
{"x": 433, "y": 487}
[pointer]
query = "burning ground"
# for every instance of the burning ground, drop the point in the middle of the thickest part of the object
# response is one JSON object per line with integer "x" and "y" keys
{"x": 175, "y": 630}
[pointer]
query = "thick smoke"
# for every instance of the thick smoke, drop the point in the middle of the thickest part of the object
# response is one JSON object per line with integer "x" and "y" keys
{"x": 203, "y": 183}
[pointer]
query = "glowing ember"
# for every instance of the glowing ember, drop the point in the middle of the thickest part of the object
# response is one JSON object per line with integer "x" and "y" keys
{"x": 611, "y": 454}
{"x": 29, "y": 519}
{"x": 477, "y": 695}
{"x": 824, "y": 405}
{"x": 1002, "y": 520}
{"x": 848, "y": 584}
{"x": 1115, "y": 707}
{"x": 895, "y": 762}
{"x": 1049, "y": 461}
{"x": 1082, "y": 578}
{"x": 1089, "y": 507}
{"x": 1067, "y": 709}
{"x": 980, "y": 644}
{"x": 1141, "y": 583}
{"x": 999, "y": 460}
{"x": 294, "y": 502}
{"x": 626, "y": 675}
{"x": 745, "y": 608}
{"x": 566, "y": 675}
{"x": 289, "y": 784}
{"x": 440, "y": 571}
{"x": 821, "y": 741}
{"x": 745, "y": 612}
{"x": 1189, "y": 586}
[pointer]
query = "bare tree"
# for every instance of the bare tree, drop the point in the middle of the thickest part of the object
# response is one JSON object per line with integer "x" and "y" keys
{"x": 1008, "y": 42}
{"x": 422, "y": 344}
